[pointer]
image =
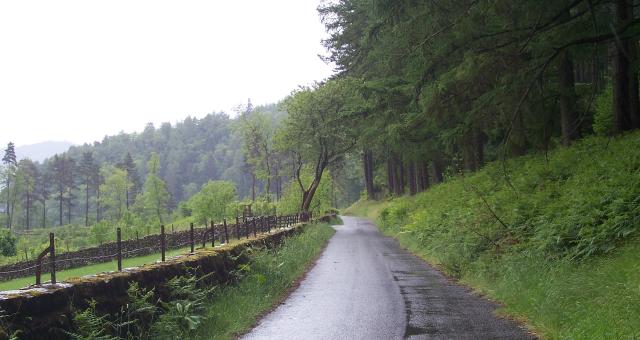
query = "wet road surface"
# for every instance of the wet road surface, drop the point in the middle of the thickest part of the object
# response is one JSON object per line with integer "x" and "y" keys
{"x": 364, "y": 286}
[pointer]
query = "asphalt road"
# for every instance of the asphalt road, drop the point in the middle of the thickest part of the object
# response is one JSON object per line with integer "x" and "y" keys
{"x": 364, "y": 286}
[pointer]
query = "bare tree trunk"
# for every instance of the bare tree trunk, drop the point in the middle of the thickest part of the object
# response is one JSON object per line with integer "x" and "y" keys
{"x": 413, "y": 185}
{"x": 28, "y": 206}
{"x": 309, "y": 193}
{"x": 61, "y": 199}
{"x": 468, "y": 151}
{"x": 8, "y": 212}
{"x": 391, "y": 176}
{"x": 253, "y": 187}
{"x": 634, "y": 86}
{"x": 97, "y": 204}
{"x": 479, "y": 138}
{"x": 566, "y": 85}
{"x": 423, "y": 178}
{"x": 368, "y": 173}
{"x": 86, "y": 205}
{"x": 621, "y": 80}
{"x": 438, "y": 168}
{"x": 401, "y": 176}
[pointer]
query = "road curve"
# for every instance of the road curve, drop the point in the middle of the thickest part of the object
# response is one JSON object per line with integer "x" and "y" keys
{"x": 364, "y": 286}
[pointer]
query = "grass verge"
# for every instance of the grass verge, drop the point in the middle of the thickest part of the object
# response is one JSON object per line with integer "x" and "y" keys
{"x": 264, "y": 282}
{"x": 554, "y": 237}
{"x": 595, "y": 299}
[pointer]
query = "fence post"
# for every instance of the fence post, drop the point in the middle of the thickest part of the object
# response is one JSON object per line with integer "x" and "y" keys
{"x": 226, "y": 231}
{"x": 246, "y": 227}
{"x": 191, "y": 241}
{"x": 38, "y": 272}
{"x": 119, "y": 243}
{"x": 52, "y": 255}
{"x": 162, "y": 241}
{"x": 39, "y": 265}
{"x": 253, "y": 223}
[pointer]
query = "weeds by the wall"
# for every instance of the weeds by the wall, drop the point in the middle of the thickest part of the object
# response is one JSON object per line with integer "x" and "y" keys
{"x": 193, "y": 310}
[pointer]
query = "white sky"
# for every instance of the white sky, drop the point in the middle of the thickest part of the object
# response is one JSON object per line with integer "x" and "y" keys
{"x": 79, "y": 70}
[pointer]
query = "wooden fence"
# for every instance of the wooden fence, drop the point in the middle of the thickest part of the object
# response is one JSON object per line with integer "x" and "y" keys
{"x": 244, "y": 227}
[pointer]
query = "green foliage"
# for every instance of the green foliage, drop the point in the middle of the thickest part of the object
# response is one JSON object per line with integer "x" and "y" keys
{"x": 146, "y": 317}
{"x": 114, "y": 191}
{"x": 603, "y": 116}
{"x": 320, "y": 128}
{"x": 155, "y": 196}
{"x": 212, "y": 201}
{"x": 583, "y": 202}
{"x": 8, "y": 243}
{"x": 291, "y": 199}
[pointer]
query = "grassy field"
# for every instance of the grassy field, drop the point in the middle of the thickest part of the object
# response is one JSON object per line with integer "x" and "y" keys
{"x": 236, "y": 308}
{"x": 565, "y": 255}
{"x": 92, "y": 269}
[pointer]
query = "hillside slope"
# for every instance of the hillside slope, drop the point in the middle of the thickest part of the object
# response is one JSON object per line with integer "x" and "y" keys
{"x": 557, "y": 243}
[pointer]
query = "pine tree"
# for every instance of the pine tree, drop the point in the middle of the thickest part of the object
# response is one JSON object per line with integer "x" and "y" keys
{"x": 10, "y": 163}
{"x": 87, "y": 170}
{"x": 29, "y": 174}
{"x": 133, "y": 178}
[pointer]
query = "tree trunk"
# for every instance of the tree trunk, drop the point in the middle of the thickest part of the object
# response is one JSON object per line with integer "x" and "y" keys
{"x": 368, "y": 173}
{"x": 567, "y": 89}
{"x": 69, "y": 211}
{"x": 44, "y": 213}
{"x": 28, "y": 206}
{"x": 398, "y": 174}
{"x": 391, "y": 177}
{"x": 8, "y": 212}
{"x": 97, "y": 204}
{"x": 468, "y": 151}
{"x": 309, "y": 193}
{"x": 634, "y": 86}
{"x": 86, "y": 205}
{"x": 253, "y": 187}
{"x": 479, "y": 139}
{"x": 622, "y": 68}
{"x": 423, "y": 176}
{"x": 413, "y": 185}
{"x": 60, "y": 199}
{"x": 438, "y": 168}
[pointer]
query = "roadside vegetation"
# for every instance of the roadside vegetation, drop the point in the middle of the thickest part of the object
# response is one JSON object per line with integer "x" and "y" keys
{"x": 198, "y": 311}
{"x": 558, "y": 243}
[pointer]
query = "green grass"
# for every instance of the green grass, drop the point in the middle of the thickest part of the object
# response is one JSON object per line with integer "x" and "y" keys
{"x": 92, "y": 269}
{"x": 266, "y": 279}
{"x": 565, "y": 252}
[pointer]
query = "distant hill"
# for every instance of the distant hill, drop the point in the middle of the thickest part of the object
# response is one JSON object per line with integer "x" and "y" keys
{"x": 41, "y": 151}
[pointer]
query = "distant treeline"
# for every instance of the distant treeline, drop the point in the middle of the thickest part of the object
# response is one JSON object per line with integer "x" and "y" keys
{"x": 148, "y": 173}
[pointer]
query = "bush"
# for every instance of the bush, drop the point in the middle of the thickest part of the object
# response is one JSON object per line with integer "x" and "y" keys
{"x": 584, "y": 201}
{"x": 8, "y": 243}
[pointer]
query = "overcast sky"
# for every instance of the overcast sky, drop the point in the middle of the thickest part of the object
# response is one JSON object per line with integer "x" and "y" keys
{"x": 79, "y": 70}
